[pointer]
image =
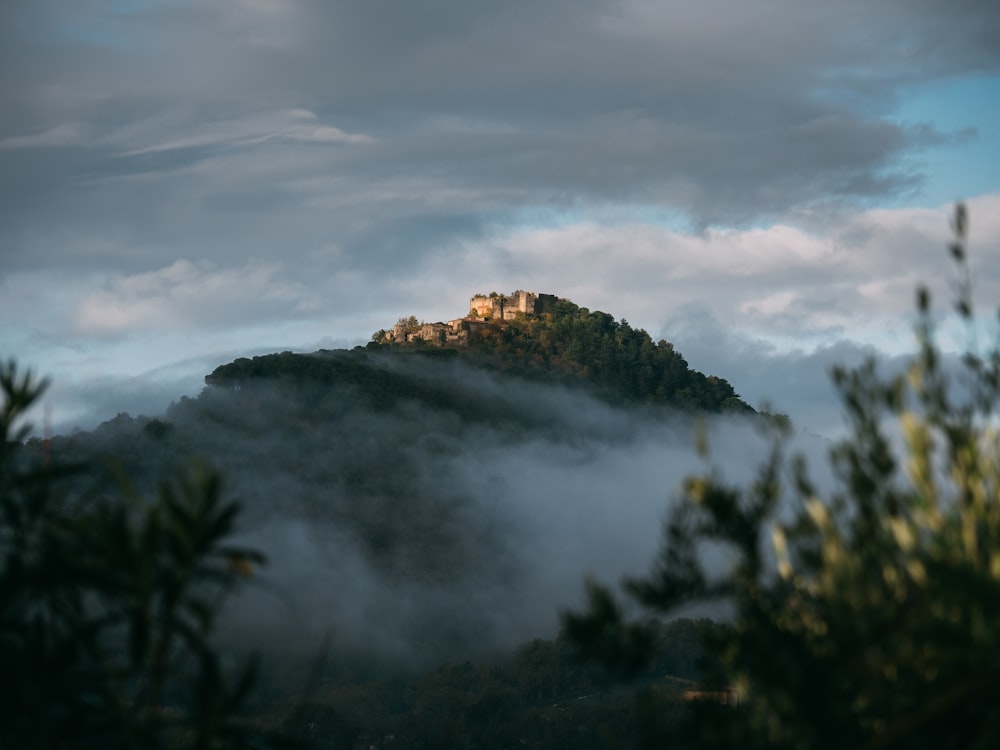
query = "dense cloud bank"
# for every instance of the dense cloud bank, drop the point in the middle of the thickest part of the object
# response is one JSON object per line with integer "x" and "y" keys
{"x": 412, "y": 116}
{"x": 413, "y": 533}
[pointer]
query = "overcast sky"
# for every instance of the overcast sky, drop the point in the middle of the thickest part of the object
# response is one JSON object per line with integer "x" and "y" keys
{"x": 761, "y": 183}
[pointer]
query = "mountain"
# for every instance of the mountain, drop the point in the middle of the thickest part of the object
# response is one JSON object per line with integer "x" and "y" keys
{"x": 425, "y": 498}
{"x": 566, "y": 344}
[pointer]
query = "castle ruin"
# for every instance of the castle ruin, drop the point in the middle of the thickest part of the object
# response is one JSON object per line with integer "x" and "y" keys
{"x": 484, "y": 310}
{"x": 507, "y": 307}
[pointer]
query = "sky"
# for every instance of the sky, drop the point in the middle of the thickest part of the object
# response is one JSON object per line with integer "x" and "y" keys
{"x": 764, "y": 183}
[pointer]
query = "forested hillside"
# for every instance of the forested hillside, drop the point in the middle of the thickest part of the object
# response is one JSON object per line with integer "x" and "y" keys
{"x": 623, "y": 364}
{"x": 571, "y": 345}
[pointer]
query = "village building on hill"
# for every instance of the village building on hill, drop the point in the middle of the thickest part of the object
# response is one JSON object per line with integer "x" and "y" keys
{"x": 485, "y": 310}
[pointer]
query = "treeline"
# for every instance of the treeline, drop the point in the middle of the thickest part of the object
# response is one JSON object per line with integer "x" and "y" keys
{"x": 576, "y": 345}
{"x": 322, "y": 379}
{"x": 542, "y": 696}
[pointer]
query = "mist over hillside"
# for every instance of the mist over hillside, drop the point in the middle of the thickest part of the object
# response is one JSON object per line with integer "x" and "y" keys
{"x": 417, "y": 507}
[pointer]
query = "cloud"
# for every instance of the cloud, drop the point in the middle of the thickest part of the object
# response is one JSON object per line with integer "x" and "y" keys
{"x": 142, "y": 137}
{"x": 796, "y": 382}
{"x": 187, "y": 294}
{"x": 65, "y": 134}
{"x": 415, "y": 533}
{"x": 294, "y": 125}
{"x": 808, "y": 282}
{"x": 721, "y": 113}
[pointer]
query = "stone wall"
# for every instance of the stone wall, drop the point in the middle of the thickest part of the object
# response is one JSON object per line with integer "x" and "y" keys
{"x": 507, "y": 307}
{"x": 454, "y": 332}
{"x": 482, "y": 306}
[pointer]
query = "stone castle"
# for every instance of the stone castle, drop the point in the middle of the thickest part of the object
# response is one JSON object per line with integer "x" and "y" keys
{"x": 507, "y": 307}
{"x": 485, "y": 310}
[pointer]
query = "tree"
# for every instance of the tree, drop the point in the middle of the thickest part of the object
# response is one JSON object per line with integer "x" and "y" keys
{"x": 107, "y": 604}
{"x": 870, "y": 617}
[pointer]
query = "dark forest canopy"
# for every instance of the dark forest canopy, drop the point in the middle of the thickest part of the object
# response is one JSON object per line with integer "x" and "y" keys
{"x": 571, "y": 345}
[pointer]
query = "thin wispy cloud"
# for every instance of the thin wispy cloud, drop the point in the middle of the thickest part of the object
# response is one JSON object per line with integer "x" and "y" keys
{"x": 66, "y": 134}
{"x": 297, "y": 125}
{"x": 185, "y": 296}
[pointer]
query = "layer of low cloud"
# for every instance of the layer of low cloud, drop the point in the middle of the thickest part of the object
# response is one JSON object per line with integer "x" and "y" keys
{"x": 417, "y": 534}
{"x": 187, "y": 295}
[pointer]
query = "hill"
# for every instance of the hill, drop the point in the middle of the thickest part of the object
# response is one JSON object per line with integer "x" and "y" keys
{"x": 430, "y": 500}
{"x": 566, "y": 344}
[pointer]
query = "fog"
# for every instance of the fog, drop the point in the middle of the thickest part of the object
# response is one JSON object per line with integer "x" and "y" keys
{"x": 413, "y": 533}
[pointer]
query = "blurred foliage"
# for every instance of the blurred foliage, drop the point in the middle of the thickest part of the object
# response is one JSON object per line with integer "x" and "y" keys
{"x": 107, "y": 604}
{"x": 867, "y": 618}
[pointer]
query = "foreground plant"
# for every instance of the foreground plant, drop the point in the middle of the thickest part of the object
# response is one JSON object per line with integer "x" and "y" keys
{"x": 107, "y": 605}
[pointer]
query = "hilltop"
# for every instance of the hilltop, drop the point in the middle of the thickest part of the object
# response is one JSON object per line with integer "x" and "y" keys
{"x": 545, "y": 336}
